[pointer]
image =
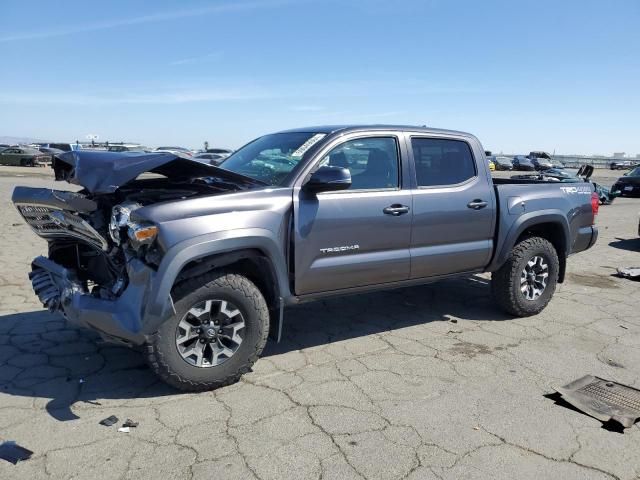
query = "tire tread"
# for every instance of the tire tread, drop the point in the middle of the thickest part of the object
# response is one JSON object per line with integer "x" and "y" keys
{"x": 219, "y": 279}
{"x": 502, "y": 279}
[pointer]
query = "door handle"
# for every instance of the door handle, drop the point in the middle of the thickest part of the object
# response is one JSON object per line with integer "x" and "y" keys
{"x": 477, "y": 204}
{"x": 396, "y": 210}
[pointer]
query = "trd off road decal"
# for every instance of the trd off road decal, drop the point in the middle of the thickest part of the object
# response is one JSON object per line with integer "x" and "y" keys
{"x": 582, "y": 190}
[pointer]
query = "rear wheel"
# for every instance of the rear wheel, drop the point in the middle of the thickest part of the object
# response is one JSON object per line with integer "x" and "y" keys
{"x": 217, "y": 333}
{"x": 526, "y": 282}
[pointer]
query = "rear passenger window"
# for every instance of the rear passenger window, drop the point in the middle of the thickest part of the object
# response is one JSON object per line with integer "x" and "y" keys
{"x": 442, "y": 162}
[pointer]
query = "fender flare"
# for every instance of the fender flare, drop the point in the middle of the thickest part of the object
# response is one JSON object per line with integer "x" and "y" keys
{"x": 159, "y": 304}
{"x": 524, "y": 222}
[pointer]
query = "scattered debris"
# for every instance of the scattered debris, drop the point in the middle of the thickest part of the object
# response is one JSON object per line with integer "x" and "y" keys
{"x": 124, "y": 429}
{"x": 453, "y": 320}
{"x": 14, "y": 453}
{"x": 454, "y": 331}
{"x": 613, "y": 363}
{"x": 476, "y": 428}
{"x": 623, "y": 326}
{"x": 130, "y": 423}
{"x": 603, "y": 399}
{"x": 632, "y": 273}
{"x": 16, "y": 224}
{"x": 107, "y": 422}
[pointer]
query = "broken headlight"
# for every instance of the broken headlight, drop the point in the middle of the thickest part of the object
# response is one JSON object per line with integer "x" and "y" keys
{"x": 120, "y": 219}
{"x": 142, "y": 234}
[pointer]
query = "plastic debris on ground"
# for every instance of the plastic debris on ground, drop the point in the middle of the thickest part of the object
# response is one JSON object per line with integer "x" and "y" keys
{"x": 130, "y": 423}
{"x": 107, "y": 422}
{"x": 632, "y": 273}
{"x": 603, "y": 399}
{"x": 124, "y": 429}
{"x": 14, "y": 453}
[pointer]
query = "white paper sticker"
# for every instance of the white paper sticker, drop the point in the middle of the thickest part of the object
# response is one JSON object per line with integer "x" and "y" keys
{"x": 308, "y": 144}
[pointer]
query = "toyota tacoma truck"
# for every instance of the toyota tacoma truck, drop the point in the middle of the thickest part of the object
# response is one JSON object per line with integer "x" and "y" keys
{"x": 196, "y": 263}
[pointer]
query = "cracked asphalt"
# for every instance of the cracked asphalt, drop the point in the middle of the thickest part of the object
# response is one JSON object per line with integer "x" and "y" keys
{"x": 430, "y": 382}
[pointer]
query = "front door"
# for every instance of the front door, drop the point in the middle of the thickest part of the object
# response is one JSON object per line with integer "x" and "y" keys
{"x": 453, "y": 209}
{"x": 359, "y": 236}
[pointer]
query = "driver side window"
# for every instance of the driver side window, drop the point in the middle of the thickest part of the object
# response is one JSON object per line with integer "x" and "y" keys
{"x": 373, "y": 162}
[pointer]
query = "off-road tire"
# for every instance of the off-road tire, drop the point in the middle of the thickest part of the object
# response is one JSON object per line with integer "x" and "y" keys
{"x": 505, "y": 282}
{"x": 163, "y": 356}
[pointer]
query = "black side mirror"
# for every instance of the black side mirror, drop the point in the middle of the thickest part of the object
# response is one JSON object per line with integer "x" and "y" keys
{"x": 328, "y": 179}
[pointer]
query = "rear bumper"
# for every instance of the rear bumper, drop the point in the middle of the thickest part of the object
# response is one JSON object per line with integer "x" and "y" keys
{"x": 585, "y": 239}
{"x": 118, "y": 319}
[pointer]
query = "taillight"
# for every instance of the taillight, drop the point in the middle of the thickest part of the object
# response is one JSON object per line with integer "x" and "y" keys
{"x": 595, "y": 204}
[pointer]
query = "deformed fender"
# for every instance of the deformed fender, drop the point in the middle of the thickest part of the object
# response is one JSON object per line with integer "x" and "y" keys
{"x": 507, "y": 241}
{"x": 159, "y": 305}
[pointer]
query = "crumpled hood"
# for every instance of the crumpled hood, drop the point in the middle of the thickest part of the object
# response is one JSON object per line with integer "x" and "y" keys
{"x": 105, "y": 172}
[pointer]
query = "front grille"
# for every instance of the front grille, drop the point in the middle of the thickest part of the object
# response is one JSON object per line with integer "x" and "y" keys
{"x": 52, "y": 222}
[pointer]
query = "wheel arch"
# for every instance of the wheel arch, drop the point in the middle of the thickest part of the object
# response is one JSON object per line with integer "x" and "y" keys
{"x": 551, "y": 226}
{"x": 252, "y": 252}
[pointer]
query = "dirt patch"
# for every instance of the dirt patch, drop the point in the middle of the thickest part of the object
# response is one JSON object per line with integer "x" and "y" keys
{"x": 592, "y": 280}
{"x": 470, "y": 349}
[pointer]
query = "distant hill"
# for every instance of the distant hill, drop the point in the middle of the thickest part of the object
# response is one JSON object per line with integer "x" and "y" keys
{"x": 13, "y": 140}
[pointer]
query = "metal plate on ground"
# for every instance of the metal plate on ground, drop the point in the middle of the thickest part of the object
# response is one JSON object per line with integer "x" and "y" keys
{"x": 603, "y": 399}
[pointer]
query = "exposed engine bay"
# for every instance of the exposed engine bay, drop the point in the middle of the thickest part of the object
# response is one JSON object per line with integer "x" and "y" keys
{"x": 91, "y": 232}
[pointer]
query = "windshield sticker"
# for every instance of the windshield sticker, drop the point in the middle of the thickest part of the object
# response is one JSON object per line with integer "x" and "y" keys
{"x": 308, "y": 144}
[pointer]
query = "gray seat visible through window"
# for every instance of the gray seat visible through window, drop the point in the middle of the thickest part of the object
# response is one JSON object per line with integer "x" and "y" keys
{"x": 379, "y": 173}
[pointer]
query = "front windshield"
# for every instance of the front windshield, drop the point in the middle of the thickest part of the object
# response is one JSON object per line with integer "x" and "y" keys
{"x": 270, "y": 159}
{"x": 634, "y": 173}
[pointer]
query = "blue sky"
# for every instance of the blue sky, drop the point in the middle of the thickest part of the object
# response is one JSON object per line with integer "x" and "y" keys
{"x": 521, "y": 75}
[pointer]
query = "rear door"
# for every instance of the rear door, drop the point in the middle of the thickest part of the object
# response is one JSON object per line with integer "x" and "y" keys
{"x": 453, "y": 207}
{"x": 353, "y": 238}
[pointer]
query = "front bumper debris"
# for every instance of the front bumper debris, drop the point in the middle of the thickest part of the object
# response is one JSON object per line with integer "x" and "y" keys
{"x": 119, "y": 319}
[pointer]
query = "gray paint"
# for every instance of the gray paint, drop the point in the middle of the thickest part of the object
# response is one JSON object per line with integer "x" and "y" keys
{"x": 438, "y": 237}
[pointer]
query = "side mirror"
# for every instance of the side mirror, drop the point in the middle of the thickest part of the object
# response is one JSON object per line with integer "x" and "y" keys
{"x": 328, "y": 179}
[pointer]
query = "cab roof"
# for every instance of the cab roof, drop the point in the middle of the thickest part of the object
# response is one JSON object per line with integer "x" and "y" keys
{"x": 330, "y": 129}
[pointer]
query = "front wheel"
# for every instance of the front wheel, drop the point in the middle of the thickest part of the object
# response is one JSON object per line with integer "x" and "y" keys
{"x": 524, "y": 285}
{"x": 217, "y": 333}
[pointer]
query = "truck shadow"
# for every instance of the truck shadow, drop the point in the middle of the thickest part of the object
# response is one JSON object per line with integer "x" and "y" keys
{"x": 630, "y": 244}
{"x": 44, "y": 357}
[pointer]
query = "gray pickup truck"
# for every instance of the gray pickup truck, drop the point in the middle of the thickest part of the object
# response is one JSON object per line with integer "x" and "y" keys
{"x": 196, "y": 263}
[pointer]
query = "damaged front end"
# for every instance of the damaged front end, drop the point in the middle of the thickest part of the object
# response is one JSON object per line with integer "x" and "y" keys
{"x": 101, "y": 263}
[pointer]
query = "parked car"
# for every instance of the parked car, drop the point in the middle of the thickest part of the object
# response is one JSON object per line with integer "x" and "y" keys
{"x": 211, "y": 158}
{"x": 628, "y": 184}
{"x": 224, "y": 152}
{"x": 174, "y": 150}
{"x": 521, "y": 162}
{"x": 502, "y": 163}
{"x": 22, "y": 156}
{"x": 65, "y": 147}
{"x": 50, "y": 151}
{"x": 126, "y": 147}
{"x": 540, "y": 160}
{"x": 541, "y": 163}
{"x": 198, "y": 265}
{"x": 623, "y": 165}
